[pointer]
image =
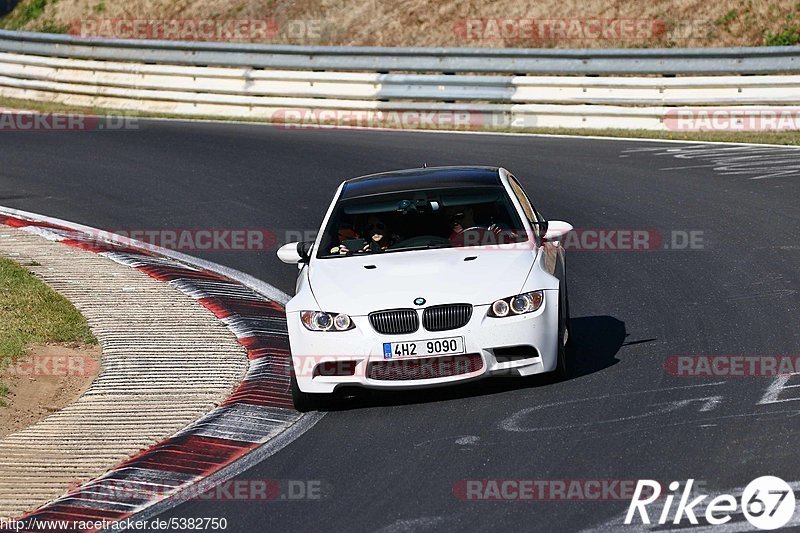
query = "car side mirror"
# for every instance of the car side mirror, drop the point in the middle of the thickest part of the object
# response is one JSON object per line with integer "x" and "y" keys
{"x": 541, "y": 228}
{"x": 556, "y": 230}
{"x": 295, "y": 252}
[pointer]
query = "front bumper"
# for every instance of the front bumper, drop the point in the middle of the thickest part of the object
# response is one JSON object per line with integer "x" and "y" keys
{"x": 482, "y": 336}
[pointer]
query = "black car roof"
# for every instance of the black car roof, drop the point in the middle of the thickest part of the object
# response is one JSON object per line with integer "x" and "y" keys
{"x": 419, "y": 179}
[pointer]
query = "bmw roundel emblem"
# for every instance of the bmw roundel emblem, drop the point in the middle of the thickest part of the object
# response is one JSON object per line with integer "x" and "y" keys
{"x": 419, "y": 301}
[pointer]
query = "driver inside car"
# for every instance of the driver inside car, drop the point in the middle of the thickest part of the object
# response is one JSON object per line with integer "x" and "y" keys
{"x": 462, "y": 219}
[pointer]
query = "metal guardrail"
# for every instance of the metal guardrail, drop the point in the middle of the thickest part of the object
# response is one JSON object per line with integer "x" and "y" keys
{"x": 188, "y": 83}
{"x": 461, "y": 88}
{"x": 669, "y": 61}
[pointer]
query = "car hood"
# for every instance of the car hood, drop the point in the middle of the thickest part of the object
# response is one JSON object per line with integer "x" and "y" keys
{"x": 361, "y": 284}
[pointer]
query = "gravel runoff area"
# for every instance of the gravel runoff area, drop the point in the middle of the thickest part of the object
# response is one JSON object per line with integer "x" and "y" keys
{"x": 166, "y": 361}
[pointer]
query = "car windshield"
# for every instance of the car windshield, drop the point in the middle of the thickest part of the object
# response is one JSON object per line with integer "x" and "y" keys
{"x": 435, "y": 218}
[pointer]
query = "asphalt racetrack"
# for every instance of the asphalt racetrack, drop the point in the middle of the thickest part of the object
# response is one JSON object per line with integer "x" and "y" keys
{"x": 398, "y": 462}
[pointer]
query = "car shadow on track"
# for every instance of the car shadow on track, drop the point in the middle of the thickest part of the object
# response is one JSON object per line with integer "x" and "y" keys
{"x": 595, "y": 341}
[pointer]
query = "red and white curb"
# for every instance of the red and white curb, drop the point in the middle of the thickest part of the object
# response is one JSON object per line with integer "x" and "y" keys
{"x": 257, "y": 420}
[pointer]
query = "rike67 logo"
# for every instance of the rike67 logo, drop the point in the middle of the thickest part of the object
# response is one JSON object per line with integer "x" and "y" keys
{"x": 767, "y": 502}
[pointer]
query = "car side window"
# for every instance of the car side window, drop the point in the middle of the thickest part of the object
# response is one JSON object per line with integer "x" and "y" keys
{"x": 530, "y": 212}
{"x": 534, "y": 217}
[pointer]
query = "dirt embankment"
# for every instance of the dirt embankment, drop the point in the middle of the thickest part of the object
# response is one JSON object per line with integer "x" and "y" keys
{"x": 48, "y": 379}
{"x": 502, "y": 23}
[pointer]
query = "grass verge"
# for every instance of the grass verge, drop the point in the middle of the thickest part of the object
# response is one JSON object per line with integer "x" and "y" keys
{"x": 33, "y": 313}
{"x": 767, "y": 137}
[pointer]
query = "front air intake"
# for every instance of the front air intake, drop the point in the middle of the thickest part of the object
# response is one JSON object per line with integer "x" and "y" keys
{"x": 425, "y": 368}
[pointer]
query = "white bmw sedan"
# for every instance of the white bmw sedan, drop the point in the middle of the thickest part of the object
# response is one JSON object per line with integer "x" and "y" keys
{"x": 427, "y": 277}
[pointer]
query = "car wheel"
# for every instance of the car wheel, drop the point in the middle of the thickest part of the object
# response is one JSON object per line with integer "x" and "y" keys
{"x": 564, "y": 341}
{"x": 304, "y": 401}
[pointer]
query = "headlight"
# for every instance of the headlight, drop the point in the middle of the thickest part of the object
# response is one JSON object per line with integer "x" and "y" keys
{"x": 322, "y": 321}
{"x": 500, "y": 308}
{"x": 517, "y": 305}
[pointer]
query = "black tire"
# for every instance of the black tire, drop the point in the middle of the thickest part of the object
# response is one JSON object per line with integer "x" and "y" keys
{"x": 304, "y": 401}
{"x": 563, "y": 365}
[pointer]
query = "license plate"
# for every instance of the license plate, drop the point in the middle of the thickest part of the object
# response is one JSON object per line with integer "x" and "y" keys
{"x": 446, "y": 346}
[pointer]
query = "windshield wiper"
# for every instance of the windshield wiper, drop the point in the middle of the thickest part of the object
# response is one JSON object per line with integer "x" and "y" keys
{"x": 422, "y": 247}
